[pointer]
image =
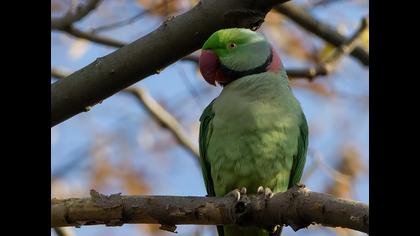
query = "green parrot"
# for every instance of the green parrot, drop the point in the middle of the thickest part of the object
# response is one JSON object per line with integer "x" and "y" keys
{"x": 254, "y": 135}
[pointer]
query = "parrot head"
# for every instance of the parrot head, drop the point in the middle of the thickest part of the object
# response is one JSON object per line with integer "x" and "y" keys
{"x": 229, "y": 54}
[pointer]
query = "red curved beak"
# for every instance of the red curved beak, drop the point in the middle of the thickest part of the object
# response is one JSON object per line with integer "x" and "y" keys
{"x": 209, "y": 65}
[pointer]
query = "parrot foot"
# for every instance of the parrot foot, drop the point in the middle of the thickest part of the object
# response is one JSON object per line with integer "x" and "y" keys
{"x": 266, "y": 191}
{"x": 236, "y": 193}
{"x": 276, "y": 229}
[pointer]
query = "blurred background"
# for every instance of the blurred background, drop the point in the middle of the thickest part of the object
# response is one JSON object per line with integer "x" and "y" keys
{"x": 118, "y": 146}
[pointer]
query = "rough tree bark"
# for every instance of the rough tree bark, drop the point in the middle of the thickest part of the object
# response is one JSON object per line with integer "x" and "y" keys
{"x": 298, "y": 207}
{"x": 174, "y": 39}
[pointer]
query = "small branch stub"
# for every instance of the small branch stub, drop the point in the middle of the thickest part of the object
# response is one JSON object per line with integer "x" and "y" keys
{"x": 106, "y": 202}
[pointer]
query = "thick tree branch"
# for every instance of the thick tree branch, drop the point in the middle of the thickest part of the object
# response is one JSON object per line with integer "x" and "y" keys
{"x": 158, "y": 113}
{"x": 313, "y": 25}
{"x": 298, "y": 207}
{"x": 70, "y": 17}
{"x": 174, "y": 39}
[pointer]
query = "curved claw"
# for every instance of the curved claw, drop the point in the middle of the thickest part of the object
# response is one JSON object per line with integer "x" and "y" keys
{"x": 236, "y": 193}
{"x": 266, "y": 191}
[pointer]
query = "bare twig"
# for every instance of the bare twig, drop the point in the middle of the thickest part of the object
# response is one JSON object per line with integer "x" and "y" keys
{"x": 313, "y": 25}
{"x": 70, "y": 17}
{"x": 331, "y": 62}
{"x": 119, "y": 23}
{"x": 298, "y": 207}
{"x": 347, "y": 46}
{"x": 128, "y": 20}
{"x": 159, "y": 114}
{"x": 65, "y": 24}
{"x": 94, "y": 37}
{"x": 330, "y": 171}
{"x": 164, "y": 118}
{"x": 319, "y": 162}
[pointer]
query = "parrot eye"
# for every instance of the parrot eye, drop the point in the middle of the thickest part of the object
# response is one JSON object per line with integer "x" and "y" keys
{"x": 232, "y": 45}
